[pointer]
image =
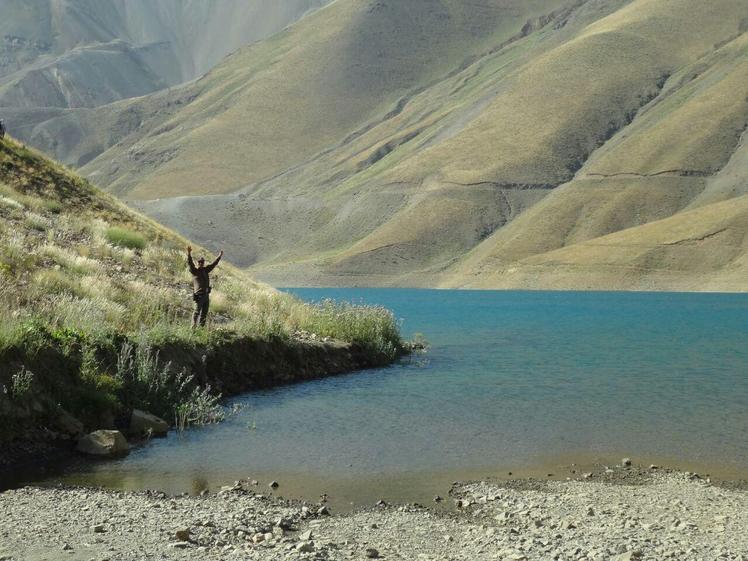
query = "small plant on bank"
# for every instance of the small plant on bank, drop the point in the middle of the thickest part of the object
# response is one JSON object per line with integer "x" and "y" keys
{"x": 21, "y": 384}
{"x": 160, "y": 389}
{"x": 200, "y": 408}
{"x": 122, "y": 237}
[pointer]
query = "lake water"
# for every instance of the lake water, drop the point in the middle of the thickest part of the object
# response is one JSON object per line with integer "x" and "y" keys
{"x": 512, "y": 381}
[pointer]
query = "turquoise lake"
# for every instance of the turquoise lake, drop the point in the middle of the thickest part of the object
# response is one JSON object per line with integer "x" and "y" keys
{"x": 512, "y": 380}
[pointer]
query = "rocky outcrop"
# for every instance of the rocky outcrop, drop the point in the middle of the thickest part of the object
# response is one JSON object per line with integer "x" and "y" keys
{"x": 104, "y": 443}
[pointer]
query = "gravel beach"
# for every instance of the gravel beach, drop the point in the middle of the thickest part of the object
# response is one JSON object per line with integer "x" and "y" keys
{"x": 655, "y": 516}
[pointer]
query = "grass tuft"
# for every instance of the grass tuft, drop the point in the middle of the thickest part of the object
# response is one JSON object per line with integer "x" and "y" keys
{"x": 122, "y": 237}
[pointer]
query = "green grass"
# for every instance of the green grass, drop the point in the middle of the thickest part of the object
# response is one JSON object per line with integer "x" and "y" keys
{"x": 125, "y": 238}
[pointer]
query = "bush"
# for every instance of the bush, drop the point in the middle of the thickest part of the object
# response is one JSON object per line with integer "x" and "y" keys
{"x": 159, "y": 389}
{"x": 20, "y": 385}
{"x": 373, "y": 327}
{"x": 122, "y": 237}
{"x": 52, "y": 206}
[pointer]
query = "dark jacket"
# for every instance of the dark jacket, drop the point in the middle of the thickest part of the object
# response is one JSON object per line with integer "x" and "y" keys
{"x": 200, "y": 276}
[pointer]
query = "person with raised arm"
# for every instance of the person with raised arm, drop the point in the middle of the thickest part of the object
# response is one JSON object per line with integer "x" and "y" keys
{"x": 201, "y": 286}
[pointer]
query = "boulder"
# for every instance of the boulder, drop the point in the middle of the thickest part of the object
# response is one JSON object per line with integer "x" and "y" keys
{"x": 145, "y": 424}
{"x": 105, "y": 443}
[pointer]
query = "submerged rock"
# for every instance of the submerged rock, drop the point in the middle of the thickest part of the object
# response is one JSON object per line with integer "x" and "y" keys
{"x": 103, "y": 443}
{"x": 143, "y": 423}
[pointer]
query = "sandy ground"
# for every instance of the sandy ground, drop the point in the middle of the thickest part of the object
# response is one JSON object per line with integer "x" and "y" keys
{"x": 648, "y": 516}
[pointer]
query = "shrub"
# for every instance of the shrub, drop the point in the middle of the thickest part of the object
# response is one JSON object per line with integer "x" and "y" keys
{"x": 158, "y": 388}
{"x": 123, "y": 237}
{"x": 373, "y": 327}
{"x": 20, "y": 385}
{"x": 200, "y": 408}
{"x": 70, "y": 260}
{"x": 37, "y": 222}
{"x": 52, "y": 206}
{"x": 56, "y": 282}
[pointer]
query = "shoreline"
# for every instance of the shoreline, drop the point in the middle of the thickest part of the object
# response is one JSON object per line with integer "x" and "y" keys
{"x": 348, "y": 492}
{"x": 661, "y": 515}
{"x": 237, "y": 366}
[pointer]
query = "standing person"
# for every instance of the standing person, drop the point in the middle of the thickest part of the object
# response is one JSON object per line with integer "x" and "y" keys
{"x": 2, "y": 129}
{"x": 201, "y": 286}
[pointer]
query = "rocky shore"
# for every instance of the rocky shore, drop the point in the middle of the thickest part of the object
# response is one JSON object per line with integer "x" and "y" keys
{"x": 653, "y": 515}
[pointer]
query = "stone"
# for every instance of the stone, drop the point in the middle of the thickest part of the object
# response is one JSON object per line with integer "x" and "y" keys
{"x": 98, "y": 529}
{"x": 372, "y": 553}
{"x": 323, "y": 511}
{"x": 146, "y": 424}
{"x": 306, "y": 536}
{"x": 632, "y": 555}
{"x": 183, "y": 534}
{"x": 626, "y": 462}
{"x": 104, "y": 443}
{"x": 305, "y": 547}
{"x": 274, "y": 485}
{"x": 284, "y": 523}
{"x": 179, "y": 545}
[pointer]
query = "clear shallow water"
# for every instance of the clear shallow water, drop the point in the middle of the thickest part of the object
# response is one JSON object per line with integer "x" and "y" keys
{"x": 512, "y": 379}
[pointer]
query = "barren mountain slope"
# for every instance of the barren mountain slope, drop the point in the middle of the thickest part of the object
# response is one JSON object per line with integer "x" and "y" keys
{"x": 61, "y": 54}
{"x": 425, "y": 143}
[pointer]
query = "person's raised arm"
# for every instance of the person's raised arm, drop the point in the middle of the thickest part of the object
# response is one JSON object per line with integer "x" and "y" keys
{"x": 213, "y": 265}
{"x": 190, "y": 262}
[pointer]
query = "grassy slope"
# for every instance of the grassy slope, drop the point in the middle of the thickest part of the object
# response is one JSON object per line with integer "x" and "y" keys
{"x": 445, "y": 144}
{"x": 80, "y": 274}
